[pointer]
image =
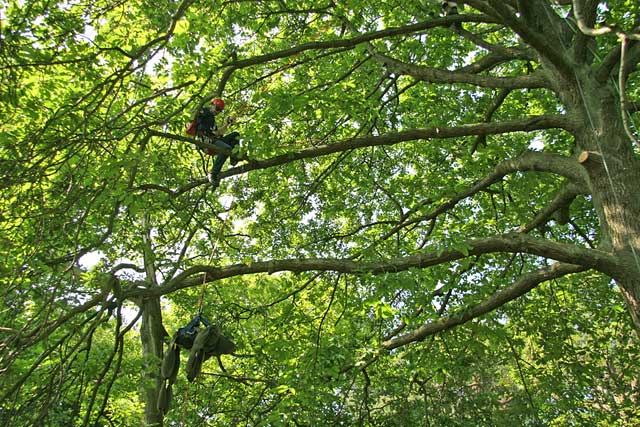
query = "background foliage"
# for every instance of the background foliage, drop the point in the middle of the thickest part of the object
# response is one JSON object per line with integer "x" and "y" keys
{"x": 352, "y": 158}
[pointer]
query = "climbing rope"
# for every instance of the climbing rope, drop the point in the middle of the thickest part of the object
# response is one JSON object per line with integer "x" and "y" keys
{"x": 204, "y": 289}
{"x": 215, "y": 249}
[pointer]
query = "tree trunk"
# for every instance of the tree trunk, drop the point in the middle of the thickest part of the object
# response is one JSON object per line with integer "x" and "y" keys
{"x": 614, "y": 172}
{"x": 614, "y": 183}
{"x": 151, "y": 333}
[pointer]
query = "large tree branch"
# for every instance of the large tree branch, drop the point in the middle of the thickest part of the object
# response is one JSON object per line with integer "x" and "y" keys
{"x": 606, "y": 67}
{"x": 518, "y": 52}
{"x": 507, "y": 243}
{"x": 611, "y": 62}
{"x": 559, "y": 206}
{"x": 485, "y": 63}
{"x": 347, "y": 43}
{"x": 550, "y": 50}
{"x": 528, "y": 162}
{"x": 518, "y": 125}
{"x": 357, "y": 40}
{"x": 434, "y": 75}
{"x": 523, "y": 285}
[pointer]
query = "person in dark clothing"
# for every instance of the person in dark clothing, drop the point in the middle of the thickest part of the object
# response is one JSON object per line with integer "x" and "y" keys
{"x": 451, "y": 8}
{"x": 208, "y": 131}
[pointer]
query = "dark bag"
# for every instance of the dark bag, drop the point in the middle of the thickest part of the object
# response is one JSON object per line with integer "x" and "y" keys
{"x": 185, "y": 336}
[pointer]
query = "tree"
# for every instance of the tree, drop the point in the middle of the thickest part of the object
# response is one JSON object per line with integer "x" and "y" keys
{"x": 435, "y": 222}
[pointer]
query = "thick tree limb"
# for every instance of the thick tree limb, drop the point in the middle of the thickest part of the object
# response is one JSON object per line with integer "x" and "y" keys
{"x": 348, "y": 43}
{"x": 485, "y": 63}
{"x": 434, "y": 75}
{"x": 509, "y": 243}
{"x": 501, "y": 51}
{"x": 518, "y": 125}
{"x": 561, "y": 201}
{"x": 551, "y": 52}
{"x": 528, "y": 162}
{"x": 611, "y": 62}
{"x": 608, "y": 65}
{"x": 354, "y": 41}
{"x": 525, "y": 284}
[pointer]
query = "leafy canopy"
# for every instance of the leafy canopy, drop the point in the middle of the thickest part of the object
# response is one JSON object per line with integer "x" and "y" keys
{"x": 383, "y": 256}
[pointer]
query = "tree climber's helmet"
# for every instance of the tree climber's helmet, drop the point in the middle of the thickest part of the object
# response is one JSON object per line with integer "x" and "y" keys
{"x": 218, "y": 103}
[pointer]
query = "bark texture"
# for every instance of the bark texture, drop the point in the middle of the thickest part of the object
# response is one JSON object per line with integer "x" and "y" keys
{"x": 613, "y": 169}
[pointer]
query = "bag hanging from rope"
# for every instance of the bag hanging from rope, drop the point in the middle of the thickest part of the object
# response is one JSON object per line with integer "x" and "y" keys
{"x": 186, "y": 335}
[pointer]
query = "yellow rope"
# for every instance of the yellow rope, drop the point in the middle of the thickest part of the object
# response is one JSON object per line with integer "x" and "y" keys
{"x": 213, "y": 251}
{"x": 202, "y": 295}
{"x": 184, "y": 407}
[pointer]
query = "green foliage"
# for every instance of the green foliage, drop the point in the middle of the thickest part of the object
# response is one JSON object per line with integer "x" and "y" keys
{"x": 94, "y": 97}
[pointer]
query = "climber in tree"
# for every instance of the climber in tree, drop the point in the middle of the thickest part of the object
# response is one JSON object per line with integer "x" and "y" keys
{"x": 208, "y": 131}
{"x": 451, "y": 8}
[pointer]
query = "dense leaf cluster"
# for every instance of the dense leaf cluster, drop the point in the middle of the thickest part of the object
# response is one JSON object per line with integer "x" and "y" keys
{"x": 410, "y": 240}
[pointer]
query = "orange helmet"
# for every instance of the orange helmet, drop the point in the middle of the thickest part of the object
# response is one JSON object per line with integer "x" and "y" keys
{"x": 219, "y": 103}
